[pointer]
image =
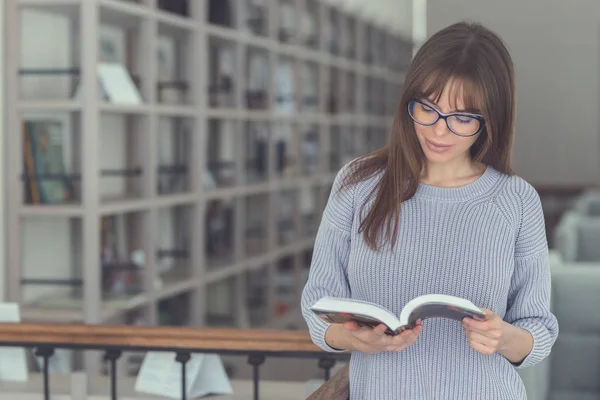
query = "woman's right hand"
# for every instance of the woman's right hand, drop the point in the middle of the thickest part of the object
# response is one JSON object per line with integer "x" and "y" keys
{"x": 371, "y": 340}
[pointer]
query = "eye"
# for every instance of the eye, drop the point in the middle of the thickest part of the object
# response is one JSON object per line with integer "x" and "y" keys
{"x": 425, "y": 108}
{"x": 464, "y": 120}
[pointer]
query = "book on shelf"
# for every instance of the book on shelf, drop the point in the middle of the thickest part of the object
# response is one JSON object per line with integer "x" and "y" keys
{"x": 44, "y": 161}
{"x": 341, "y": 310}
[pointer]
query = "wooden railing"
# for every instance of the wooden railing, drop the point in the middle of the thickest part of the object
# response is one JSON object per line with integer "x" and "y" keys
{"x": 256, "y": 344}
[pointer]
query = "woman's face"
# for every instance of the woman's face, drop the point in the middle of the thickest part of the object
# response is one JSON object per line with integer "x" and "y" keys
{"x": 439, "y": 143}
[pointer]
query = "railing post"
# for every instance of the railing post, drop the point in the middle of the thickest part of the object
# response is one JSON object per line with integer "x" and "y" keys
{"x": 183, "y": 358}
{"x": 256, "y": 360}
{"x": 45, "y": 353}
{"x": 326, "y": 363}
{"x": 112, "y": 356}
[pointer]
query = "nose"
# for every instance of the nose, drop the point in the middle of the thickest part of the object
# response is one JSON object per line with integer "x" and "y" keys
{"x": 440, "y": 128}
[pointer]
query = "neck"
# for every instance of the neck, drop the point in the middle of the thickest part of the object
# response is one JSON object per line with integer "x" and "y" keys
{"x": 453, "y": 173}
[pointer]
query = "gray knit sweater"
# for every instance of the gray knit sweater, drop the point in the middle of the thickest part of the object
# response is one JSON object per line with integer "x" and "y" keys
{"x": 484, "y": 241}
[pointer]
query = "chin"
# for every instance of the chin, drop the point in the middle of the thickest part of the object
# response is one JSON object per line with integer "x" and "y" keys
{"x": 438, "y": 155}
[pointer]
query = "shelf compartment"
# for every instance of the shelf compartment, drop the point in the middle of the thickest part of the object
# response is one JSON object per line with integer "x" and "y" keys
{"x": 221, "y": 222}
{"x": 349, "y": 93}
{"x": 287, "y": 213}
{"x": 284, "y": 142}
{"x": 174, "y": 158}
{"x": 287, "y": 25}
{"x": 50, "y": 260}
{"x": 257, "y": 152}
{"x": 255, "y": 17}
{"x": 123, "y": 255}
{"x": 221, "y": 154}
{"x": 175, "y": 66}
{"x": 309, "y": 102}
{"x": 221, "y": 303}
{"x": 309, "y": 149}
{"x": 333, "y": 31}
{"x": 286, "y": 288}
{"x": 122, "y": 39}
{"x": 257, "y": 296}
{"x": 122, "y": 157}
{"x": 284, "y": 84}
{"x": 258, "y": 76}
{"x": 332, "y": 148}
{"x": 333, "y": 93}
{"x": 310, "y": 208}
{"x": 349, "y": 37}
{"x": 257, "y": 223}
{"x": 392, "y": 98}
{"x": 222, "y": 13}
{"x": 309, "y": 25}
{"x": 49, "y": 66}
{"x": 222, "y": 60}
{"x": 174, "y": 244}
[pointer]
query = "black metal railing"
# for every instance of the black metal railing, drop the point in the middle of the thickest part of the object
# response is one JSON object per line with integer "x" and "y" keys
{"x": 183, "y": 341}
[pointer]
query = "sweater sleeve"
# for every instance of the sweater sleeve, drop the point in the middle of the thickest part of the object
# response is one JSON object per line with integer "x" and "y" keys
{"x": 327, "y": 276}
{"x": 529, "y": 296}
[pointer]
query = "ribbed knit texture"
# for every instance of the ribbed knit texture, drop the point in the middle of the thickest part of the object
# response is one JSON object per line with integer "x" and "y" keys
{"x": 484, "y": 241}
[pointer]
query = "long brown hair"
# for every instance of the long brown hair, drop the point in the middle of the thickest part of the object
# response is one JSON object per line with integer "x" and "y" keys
{"x": 471, "y": 59}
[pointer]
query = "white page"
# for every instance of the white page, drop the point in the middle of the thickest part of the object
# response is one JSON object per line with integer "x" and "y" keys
{"x": 13, "y": 363}
{"x": 117, "y": 84}
{"x": 160, "y": 374}
{"x": 212, "y": 378}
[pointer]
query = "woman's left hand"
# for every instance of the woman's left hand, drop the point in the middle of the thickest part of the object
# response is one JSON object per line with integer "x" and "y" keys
{"x": 486, "y": 336}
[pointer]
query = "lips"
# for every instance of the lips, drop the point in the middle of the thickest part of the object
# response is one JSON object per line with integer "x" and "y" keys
{"x": 437, "y": 147}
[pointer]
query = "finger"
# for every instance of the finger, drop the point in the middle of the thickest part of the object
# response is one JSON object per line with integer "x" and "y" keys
{"x": 480, "y": 326}
{"x": 482, "y": 348}
{"x": 408, "y": 336}
{"x": 405, "y": 339}
{"x": 380, "y": 329}
{"x": 351, "y": 326}
{"x": 486, "y": 341}
{"x": 412, "y": 334}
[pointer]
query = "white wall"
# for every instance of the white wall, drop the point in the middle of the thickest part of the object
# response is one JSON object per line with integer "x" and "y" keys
{"x": 555, "y": 47}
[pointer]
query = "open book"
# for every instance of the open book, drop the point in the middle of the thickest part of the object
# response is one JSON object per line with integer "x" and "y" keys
{"x": 340, "y": 310}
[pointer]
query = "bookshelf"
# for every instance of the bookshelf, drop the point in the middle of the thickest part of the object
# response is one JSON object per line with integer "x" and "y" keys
{"x": 199, "y": 204}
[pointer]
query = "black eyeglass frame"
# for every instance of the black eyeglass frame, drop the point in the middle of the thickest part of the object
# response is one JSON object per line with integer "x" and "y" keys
{"x": 445, "y": 117}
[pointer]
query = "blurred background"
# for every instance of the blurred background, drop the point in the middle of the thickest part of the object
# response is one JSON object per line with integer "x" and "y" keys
{"x": 166, "y": 162}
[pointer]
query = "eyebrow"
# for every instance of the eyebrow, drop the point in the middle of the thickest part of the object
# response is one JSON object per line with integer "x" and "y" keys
{"x": 467, "y": 111}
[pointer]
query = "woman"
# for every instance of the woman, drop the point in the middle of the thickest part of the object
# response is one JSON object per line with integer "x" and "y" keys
{"x": 438, "y": 210}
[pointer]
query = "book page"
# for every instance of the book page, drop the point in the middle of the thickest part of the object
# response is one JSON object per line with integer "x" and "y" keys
{"x": 13, "y": 362}
{"x": 212, "y": 378}
{"x": 117, "y": 84}
{"x": 160, "y": 374}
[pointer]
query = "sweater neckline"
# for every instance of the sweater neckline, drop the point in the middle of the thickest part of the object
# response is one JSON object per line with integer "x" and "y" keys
{"x": 479, "y": 186}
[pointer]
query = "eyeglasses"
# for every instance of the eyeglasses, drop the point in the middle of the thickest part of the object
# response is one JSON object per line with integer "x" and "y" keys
{"x": 461, "y": 124}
